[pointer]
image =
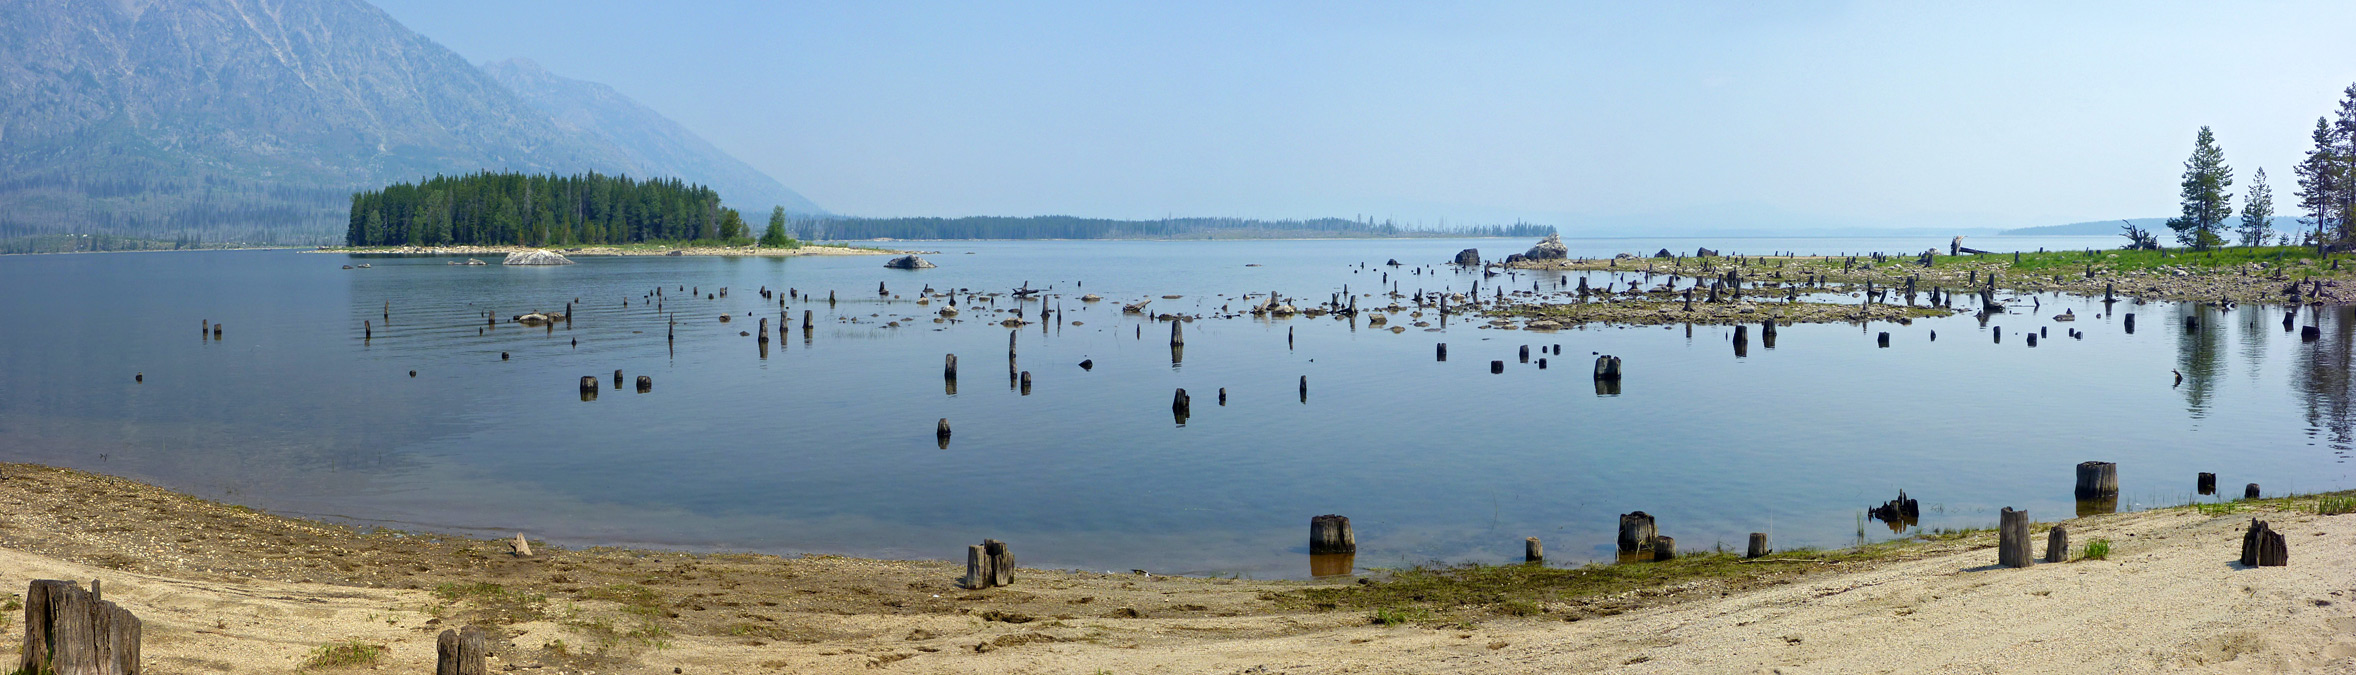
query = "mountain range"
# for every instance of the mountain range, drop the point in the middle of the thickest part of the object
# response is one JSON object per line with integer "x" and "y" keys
{"x": 255, "y": 120}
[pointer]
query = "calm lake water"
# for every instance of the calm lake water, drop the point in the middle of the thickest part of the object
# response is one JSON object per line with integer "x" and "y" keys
{"x": 827, "y": 444}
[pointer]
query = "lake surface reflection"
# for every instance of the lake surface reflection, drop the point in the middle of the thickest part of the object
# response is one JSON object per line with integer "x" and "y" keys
{"x": 825, "y": 440}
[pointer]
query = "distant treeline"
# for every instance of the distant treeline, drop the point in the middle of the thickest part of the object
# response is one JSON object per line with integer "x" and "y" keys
{"x": 132, "y": 201}
{"x": 82, "y": 243}
{"x": 544, "y": 210}
{"x": 1070, "y": 227}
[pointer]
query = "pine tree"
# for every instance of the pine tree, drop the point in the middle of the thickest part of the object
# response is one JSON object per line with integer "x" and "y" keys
{"x": 2321, "y": 176}
{"x": 2206, "y": 204}
{"x": 2257, "y": 210}
{"x": 775, "y": 236}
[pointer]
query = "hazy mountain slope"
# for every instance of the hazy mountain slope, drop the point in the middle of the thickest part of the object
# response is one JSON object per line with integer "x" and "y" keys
{"x": 647, "y": 137}
{"x": 256, "y": 119}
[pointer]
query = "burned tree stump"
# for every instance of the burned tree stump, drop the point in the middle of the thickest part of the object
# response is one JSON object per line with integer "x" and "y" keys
{"x": 2012, "y": 538}
{"x": 1637, "y": 532}
{"x": 461, "y": 652}
{"x": 2261, "y": 546}
{"x": 1330, "y": 533}
{"x": 2097, "y": 479}
{"x": 2057, "y": 545}
{"x": 1758, "y": 546}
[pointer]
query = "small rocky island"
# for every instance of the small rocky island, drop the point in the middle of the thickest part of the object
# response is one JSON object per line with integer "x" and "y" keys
{"x": 536, "y": 257}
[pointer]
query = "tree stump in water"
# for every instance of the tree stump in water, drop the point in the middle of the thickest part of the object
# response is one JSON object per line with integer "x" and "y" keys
{"x": 2250, "y": 491}
{"x": 1882, "y": 340}
{"x": 1637, "y": 532}
{"x": 2261, "y": 546}
{"x": 1525, "y": 353}
{"x": 1664, "y": 548}
{"x": 2207, "y": 483}
{"x": 2032, "y": 339}
{"x": 1001, "y": 562}
{"x": 1177, "y": 335}
{"x": 2129, "y": 322}
{"x": 2306, "y": 333}
{"x": 2012, "y": 538}
{"x": 645, "y": 383}
{"x": 68, "y": 630}
{"x": 1443, "y": 349}
{"x": 1758, "y": 546}
{"x": 617, "y": 379}
{"x": 949, "y": 368}
{"x": 1607, "y": 368}
{"x": 461, "y": 652}
{"x": 1496, "y": 367}
{"x": 1330, "y": 533}
{"x": 2097, "y": 479}
{"x": 2057, "y": 545}
{"x": 1533, "y": 551}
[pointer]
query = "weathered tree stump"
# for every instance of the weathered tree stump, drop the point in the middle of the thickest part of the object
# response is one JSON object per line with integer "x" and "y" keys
{"x": 1180, "y": 403}
{"x": 977, "y": 568}
{"x": 1304, "y": 389}
{"x": 1496, "y": 367}
{"x": 2250, "y": 491}
{"x": 2206, "y": 484}
{"x": 1330, "y": 533}
{"x": 1541, "y": 363}
{"x": 2261, "y": 546}
{"x": 1664, "y": 548}
{"x": 461, "y": 652}
{"x": 1636, "y": 532}
{"x": 2097, "y": 479}
{"x": 1001, "y": 562}
{"x": 645, "y": 383}
{"x": 1533, "y": 551}
{"x": 1177, "y": 334}
{"x": 1758, "y": 546}
{"x": 1607, "y": 368}
{"x": 2012, "y": 538}
{"x": 2129, "y": 322}
{"x": 70, "y": 631}
{"x": 2306, "y": 333}
{"x": 1525, "y": 353}
{"x": 1443, "y": 351}
{"x": 617, "y": 378}
{"x": 2032, "y": 339}
{"x": 1882, "y": 340}
{"x": 2057, "y": 545}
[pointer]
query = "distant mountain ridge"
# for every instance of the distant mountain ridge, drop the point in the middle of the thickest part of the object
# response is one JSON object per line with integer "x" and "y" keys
{"x": 644, "y": 136}
{"x": 257, "y": 119}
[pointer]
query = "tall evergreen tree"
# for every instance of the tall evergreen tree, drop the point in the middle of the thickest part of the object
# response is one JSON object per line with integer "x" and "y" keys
{"x": 2257, "y": 210}
{"x": 2206, "y": 204}
{"x": 2321, "y": 177}
{"x": 775, "y": 236}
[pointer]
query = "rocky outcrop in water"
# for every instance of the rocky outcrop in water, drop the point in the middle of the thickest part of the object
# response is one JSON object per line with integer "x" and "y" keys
{"x": 908, "y": 262}
{"x": 1468, "y": 257}
{"x": 1550, "y": 248}
{"x": 536, "y": 257}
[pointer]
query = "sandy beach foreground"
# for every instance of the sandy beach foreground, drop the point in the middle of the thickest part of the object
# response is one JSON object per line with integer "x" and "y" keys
{"x": 226, "y": 589}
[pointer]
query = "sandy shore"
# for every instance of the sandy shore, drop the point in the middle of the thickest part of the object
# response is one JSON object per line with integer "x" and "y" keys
{"x": 225, "y": 589}
{"x": 577, "y": 251}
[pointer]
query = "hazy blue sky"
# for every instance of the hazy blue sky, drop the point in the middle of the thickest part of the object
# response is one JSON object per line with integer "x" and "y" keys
{"x": 1715, "y": 114}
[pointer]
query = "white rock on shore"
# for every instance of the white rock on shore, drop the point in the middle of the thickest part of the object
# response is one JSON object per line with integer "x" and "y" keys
{"x": 536, "y": 257}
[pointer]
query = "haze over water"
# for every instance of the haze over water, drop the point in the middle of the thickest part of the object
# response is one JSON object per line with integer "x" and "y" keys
{"x": 826, "y": 445}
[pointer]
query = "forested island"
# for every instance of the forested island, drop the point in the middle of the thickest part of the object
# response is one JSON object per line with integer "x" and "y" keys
{"x": 1071, "y": 227}
{"x": 547, "y": 210}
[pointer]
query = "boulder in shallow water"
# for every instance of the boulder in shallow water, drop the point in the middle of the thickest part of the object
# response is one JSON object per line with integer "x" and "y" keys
{"x": 1664, "y": 253}
{"x": 908, "y": 262}
{"x": 1470, "y": 256}
{"x": 1550, "y": 248}
{"x": 536, "y": 257}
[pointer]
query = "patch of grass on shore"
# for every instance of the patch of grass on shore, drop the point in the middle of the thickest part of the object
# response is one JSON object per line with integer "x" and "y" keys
{"x": 2098, "y": 549}
{"x": 643, "y": 609}
{"x": 495, "y": 603}
{"x": 1457, "y": 593}
{"x": 347, "y": 654}
{"x": 2063, "y": 262}
{"x": 2332, "y": 505}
